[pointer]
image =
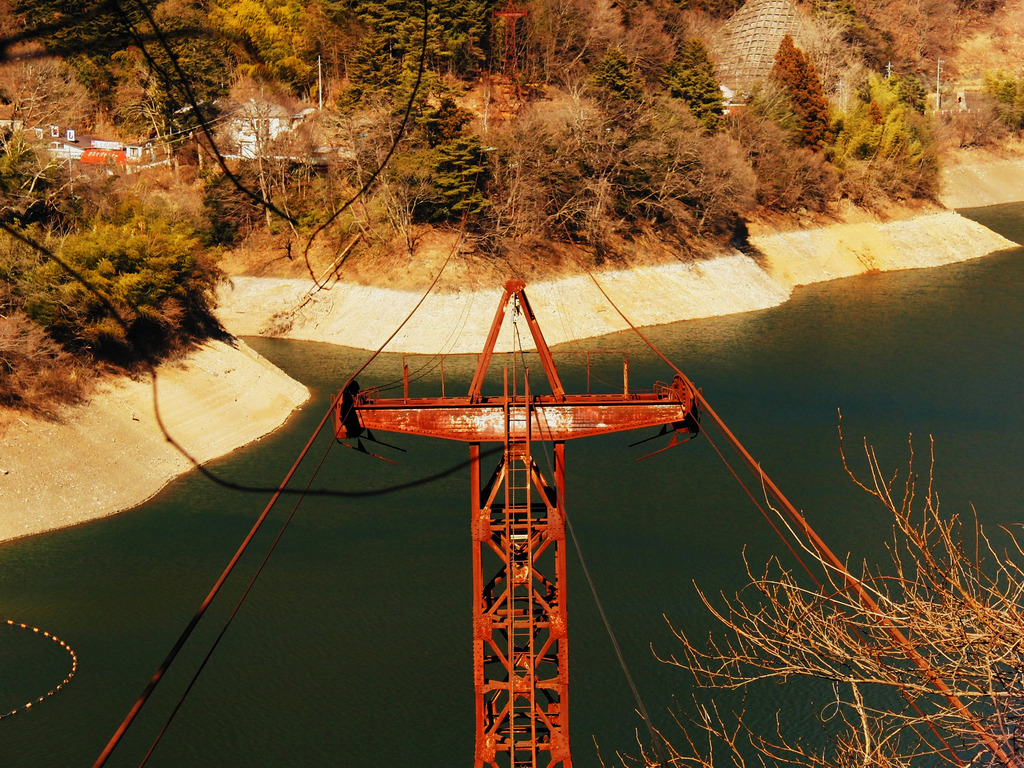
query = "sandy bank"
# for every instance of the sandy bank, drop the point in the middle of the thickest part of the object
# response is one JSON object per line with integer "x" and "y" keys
{"x": 974, "y": 179}
{"x": 573, "y": 308}
{"x": 570, "y": 308}
{"x": 109, "y": 454}
{"x": 802, "y": 257}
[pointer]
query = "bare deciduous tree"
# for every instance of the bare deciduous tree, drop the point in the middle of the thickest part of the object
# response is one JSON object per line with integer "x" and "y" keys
{"x": 950, "y": 593}
{"x": 979, "y": 126}
{"x": 42, "y": 89}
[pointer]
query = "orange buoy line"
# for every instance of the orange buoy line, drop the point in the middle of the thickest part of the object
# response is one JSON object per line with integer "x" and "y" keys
{"x": 65, "y": 681}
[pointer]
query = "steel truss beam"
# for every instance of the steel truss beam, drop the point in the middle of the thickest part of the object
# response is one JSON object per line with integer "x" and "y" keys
{"x": 520, "y": 640}
{"x": 520, "y": 644}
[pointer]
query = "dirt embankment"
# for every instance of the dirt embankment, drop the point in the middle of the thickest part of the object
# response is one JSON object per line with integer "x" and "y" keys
{"x": 358, "y": 312}
{"x": 973, "y": 178}
{"x": 109, "y": 454}
{"x": 573, "y": 307}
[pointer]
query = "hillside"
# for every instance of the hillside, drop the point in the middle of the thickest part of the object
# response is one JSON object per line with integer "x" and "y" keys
{"x": 571, "y": 306}
{"x": 358, "y": 140}
{"x": 993, "y": 45}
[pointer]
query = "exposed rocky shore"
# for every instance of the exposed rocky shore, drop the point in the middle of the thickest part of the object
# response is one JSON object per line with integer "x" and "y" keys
{"x": 109, "y": 454}
{"x": 574, "y": 307}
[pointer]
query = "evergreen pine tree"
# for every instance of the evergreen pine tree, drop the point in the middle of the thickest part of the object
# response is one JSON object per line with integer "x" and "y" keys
{"x": 444, "y": 123}
{"x": 460, "y": 173}
{"x": 691, "y": 77}
{"x": 460, "y": 32}
{"x": 372, "y": 69}
{"x": 456, "y": 31}
{"x": 910, "y": 91}
{"x": 795, "y": 72}
{"x": 614, "y": 73}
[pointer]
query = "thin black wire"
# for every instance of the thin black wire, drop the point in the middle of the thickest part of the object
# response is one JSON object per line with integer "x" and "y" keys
{"x": 201, "y": 468}
{"x": 955, "y": 758}
{"x": 238, "y": 606}
{"x": 387, "y": 158}
{"x": 148, "y": 360}
{"x": 656, "y": 738}
{"x": 182, "y": 82}
{"x": 280, "y": 491}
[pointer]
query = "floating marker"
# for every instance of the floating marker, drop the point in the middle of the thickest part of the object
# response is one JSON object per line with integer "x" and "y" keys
{"x": 65, "y": 646}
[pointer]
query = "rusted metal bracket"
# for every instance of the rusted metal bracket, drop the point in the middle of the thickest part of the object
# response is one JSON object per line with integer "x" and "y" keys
{"x": 520, "y": 625}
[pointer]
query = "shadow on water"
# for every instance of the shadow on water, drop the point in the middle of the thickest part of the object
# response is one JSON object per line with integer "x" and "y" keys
{"x": 354, "y": 648}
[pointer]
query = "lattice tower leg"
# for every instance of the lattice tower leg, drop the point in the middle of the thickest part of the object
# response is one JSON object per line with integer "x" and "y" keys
{"x": 520, "y": 647}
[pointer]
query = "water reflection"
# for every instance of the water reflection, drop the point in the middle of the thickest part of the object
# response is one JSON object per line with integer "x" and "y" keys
{"x": 354, "y": 648}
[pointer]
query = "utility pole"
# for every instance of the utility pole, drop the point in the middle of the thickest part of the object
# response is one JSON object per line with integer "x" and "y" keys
{"x": 888, "y": 70}
{"x": 320, "y": 81}
{"x": 938, "y": 85}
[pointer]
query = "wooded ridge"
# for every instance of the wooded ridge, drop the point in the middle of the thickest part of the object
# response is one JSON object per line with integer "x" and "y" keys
{"x": 533, "y": 130}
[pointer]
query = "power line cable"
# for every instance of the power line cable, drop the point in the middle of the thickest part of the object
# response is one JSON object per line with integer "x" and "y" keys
{"x": 387, "y": 158}
{"x": 797, "y": 523}
{"x": 183, "y": 638}
{"x": 149, "y": 361}
{"x": 182, "y": 83}
{"x": 278, "y": 492}
{"x": 238, "y": 606}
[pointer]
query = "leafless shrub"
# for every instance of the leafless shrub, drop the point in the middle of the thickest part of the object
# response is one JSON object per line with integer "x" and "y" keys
{"x": 36, "y": 374}
{"x": 940, "y": 627}
{"x": 979, "y": 126}
{"x": 788, "y": 178}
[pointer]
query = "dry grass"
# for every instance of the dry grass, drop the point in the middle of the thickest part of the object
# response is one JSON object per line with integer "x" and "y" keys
{"x": 36, "y": 374}
{"x": 998, "y": 45}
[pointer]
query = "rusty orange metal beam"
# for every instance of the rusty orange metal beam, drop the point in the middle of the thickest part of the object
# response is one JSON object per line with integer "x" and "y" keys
{"x": 484, "y": 421}
{"x": 520, "y": 620}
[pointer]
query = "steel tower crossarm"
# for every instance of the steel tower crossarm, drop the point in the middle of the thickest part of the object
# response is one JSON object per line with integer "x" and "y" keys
{"x": 520, "y": 625}
{"x": 483, "y": 421}
{"x": 475, "y": 418}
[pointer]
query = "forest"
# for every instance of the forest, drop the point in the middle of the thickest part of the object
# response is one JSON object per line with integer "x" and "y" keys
{"x": 593, "y": 127}
{"x": 289, "y": 129}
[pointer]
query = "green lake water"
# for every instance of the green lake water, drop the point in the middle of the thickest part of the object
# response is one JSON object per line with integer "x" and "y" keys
{"x": 354, "y": 647}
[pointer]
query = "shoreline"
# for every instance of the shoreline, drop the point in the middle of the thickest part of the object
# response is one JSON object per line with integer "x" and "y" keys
{"x": 120, "y": 457}
{"x": 217, "y": 399}
{"x": 573, "y": 308}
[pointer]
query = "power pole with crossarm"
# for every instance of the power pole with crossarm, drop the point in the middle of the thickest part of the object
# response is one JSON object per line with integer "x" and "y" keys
{"x": 520, "y": 637}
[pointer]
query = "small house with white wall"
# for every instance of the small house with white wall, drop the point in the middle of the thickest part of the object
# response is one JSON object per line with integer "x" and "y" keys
{"x": 9, "y": 121}
{"x": 253, "y": 125}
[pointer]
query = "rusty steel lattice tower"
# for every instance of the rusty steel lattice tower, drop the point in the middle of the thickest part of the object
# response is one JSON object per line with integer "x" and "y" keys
{"x": 520, "y": 639}
{"x": 511, "y": 15}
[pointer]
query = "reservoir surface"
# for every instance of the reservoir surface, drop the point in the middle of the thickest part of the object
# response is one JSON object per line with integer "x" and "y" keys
{"x": 354, "y": 645}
